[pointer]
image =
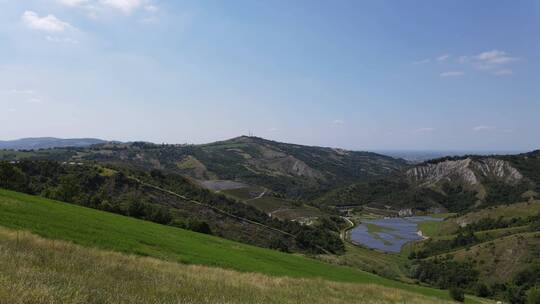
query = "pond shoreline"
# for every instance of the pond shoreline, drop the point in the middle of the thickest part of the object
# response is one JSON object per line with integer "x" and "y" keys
{"x": 387, "y": 235}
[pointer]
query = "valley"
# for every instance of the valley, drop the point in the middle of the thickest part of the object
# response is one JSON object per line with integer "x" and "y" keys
{"x": 284, "y": 210}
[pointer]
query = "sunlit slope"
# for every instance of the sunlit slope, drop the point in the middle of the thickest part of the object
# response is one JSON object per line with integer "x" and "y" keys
{"x": 37, "y": 270}
{"x": 94, "y": 228}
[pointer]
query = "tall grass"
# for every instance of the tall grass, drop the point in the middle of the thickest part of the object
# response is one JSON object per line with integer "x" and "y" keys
{"x": 97, "y": 229}
{"x": 37, "y": 270}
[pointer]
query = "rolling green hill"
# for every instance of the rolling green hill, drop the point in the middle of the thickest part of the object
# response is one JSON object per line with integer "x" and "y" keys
{"x": 495, "y": 251}
{"x": 37, "y": 270}
{"x": 165, "y": 198}
{"x": 290, "y": 169}
{"x": 456, "y": 184}
{"x": 93, "y": 228}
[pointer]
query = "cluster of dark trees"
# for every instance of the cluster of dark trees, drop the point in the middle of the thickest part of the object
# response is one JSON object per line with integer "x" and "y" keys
{"x": 488, "y": 223}
{"x": 445, "y": 273}
{"x": 461, "y": 277}
{"x": 113, "y": 189}
{"x": 434, "y": 247}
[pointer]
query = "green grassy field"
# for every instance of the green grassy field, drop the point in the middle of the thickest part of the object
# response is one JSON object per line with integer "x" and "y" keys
{"x": 44, "y": 271}
{"x": 280, "y": 208}
{"x": 384, "y": 264}
{"x": 93, "y": 228}
{"x": 430, "y": 228}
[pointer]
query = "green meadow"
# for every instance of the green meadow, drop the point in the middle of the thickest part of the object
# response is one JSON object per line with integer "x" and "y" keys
{"x": 92, "y": 228}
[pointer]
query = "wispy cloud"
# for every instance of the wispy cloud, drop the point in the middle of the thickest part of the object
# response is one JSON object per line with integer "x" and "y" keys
{"x": 495, "y": 62}
{"x": 452, "y": 74}
{"x": 95, "y": 7}
{"x": 483, "y": 128}
{"x": 126, "y": 6}
{"x": 492, "y": 60}
{"x": 73, "y": 2}
{"x": 338, "y": 122}
{"x": 48, "y": 23}
{"x": 443, "y": 57}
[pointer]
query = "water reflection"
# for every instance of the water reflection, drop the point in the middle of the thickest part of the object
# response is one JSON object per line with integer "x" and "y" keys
{"x": 389, "y": 234}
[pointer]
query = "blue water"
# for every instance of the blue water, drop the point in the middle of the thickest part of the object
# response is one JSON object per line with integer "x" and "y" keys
{"x": 399, "y": 232}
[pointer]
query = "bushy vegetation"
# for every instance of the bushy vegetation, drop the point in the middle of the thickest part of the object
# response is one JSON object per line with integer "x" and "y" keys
{"x": 94, "y": 228}
{"x": 116, "y": 191}
{"x": 445, "y": 273}
{"x": 433, "y": 247}
{"x": 457, "y": 294}
{"x": 227, "y": 160}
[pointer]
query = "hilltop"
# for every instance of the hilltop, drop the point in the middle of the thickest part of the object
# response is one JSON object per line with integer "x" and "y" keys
{"x": 296, "y": 171}
{"x": 456, "y": 184}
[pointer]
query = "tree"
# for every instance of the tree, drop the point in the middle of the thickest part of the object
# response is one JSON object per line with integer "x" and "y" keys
{"x": 482, "y": 290}
{"x": 457, "y": 294}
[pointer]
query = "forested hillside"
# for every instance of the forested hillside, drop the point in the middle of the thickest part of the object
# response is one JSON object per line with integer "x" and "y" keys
{"x": 456, "y": 184}
{"x": 295, "y": 171}
{"x": 134, "y": 193}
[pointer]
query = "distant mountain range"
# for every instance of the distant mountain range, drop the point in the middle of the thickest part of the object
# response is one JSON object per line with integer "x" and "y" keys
{"x": 48, "y": 142}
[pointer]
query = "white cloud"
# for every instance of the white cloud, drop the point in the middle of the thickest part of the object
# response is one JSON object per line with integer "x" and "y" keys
{"x": 272, "y": 129}
{"x": 492, "y": 60}
{"x": 443, "y": 57}
{"x": 495, "y": 57}
{"x": 49, "y": 23}
{"x": 73, "y": 2}
{"x": 126, "y": 6}
{"x": 483, "y": 128}
{"x": 452, "y": 74}
{"x": 338, "y": 122}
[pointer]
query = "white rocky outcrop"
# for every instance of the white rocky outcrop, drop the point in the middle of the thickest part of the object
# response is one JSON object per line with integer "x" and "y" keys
{"x": 467, "y": 171}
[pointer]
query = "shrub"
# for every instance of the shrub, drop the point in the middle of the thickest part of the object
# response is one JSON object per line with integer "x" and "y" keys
{"x": 457, "y": 294}
{"x": 482, "y": 290}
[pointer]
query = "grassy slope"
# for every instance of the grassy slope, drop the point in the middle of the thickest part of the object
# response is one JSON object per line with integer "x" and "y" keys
{"x": 90, "y": 227}
{"x": 500, "y": 253}
{"x": 388, "y": 265}
{"x": 37, "y": 270}
{"x": 518, "y": 210}
{"x": 285, "y": 208}
{"x": 504, "y": 257}
{"x": 430, "y": 228}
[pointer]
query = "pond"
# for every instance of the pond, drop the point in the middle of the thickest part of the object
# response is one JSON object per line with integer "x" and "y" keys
{"x": 389, "y": 234}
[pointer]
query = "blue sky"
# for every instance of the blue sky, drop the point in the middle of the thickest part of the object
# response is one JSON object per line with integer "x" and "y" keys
{"x": 439, "y": 75}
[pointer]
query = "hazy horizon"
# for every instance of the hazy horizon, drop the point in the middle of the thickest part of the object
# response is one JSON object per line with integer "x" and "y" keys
{"x": 371, "y": 75}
